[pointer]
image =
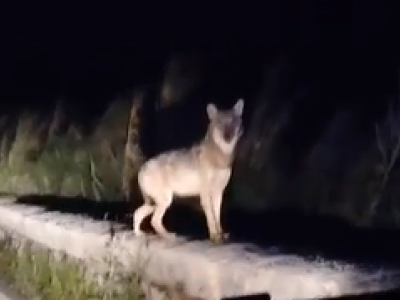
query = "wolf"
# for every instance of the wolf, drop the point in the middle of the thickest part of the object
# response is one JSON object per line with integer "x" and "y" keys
{"x": 202, "y": 170}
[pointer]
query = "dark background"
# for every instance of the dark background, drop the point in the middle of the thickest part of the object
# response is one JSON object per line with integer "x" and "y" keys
{"x": 346, "y": 51}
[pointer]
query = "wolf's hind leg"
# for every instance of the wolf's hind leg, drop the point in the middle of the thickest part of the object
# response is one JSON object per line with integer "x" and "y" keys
{"x": 140, "y": 214}
{"x": 162, "y": 204}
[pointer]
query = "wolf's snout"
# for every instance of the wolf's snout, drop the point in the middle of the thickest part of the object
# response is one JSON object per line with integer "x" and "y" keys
{"x": 230, "y": 132}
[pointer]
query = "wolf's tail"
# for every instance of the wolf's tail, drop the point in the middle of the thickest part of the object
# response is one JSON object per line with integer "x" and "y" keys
{"x": 133, "y": 156}
{"x": 132, "y": 150}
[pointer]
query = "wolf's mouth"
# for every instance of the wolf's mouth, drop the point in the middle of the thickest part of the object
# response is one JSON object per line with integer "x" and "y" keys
{"x": 229, "y": 134}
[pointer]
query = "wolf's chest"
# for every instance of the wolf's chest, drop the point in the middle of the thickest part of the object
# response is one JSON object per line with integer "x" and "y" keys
{"x": 199, "y": 180}
{"x": 218, "y": 177}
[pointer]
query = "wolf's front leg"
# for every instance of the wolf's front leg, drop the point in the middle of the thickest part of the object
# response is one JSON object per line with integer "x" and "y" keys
{"x": 216, "y": 202}
{"x": 211, "y": 221}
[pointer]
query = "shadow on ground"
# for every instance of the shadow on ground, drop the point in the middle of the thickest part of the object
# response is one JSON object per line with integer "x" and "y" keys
{"x": 395, "y": 294}
{"x": 288, "y": 230}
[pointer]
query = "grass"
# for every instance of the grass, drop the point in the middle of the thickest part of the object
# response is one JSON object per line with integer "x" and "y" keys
{"x": 37, "y": 158}
{"x": 38, "y": 274}
{"x": 48, "y": 155}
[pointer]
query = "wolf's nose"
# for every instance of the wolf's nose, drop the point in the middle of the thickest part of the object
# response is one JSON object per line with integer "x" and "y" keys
{"x": 229, "y": 133}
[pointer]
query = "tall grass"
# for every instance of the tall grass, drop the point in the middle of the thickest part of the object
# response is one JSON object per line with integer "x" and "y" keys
{"x": 39, "y": 156}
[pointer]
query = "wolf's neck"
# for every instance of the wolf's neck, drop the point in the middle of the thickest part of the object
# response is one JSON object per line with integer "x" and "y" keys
{"x": 215, "y": 154}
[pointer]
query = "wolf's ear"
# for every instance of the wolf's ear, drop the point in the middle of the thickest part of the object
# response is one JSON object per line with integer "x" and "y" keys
{"x": 238, "y": 107}
{"x": 211, "y": 111}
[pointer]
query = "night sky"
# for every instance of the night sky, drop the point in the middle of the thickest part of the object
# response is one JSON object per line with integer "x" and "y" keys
{"x": 347, "y": 49}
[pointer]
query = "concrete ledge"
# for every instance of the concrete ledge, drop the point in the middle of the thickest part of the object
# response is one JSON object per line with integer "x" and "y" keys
{"x": 206, "y": 271}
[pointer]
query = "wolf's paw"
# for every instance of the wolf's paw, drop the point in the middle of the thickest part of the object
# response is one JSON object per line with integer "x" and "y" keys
{"x": 219, "y": 238}
{"x": 168, "y": 236}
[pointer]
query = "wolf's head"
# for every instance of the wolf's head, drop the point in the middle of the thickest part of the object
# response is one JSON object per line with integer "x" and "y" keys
{"x": 226, "y": 125}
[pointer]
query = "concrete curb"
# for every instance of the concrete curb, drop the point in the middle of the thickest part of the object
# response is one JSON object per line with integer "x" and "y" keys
{"x": 206, "y": 271}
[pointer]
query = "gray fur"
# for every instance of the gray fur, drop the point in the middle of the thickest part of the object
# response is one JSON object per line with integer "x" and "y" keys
{"x": 202, "y": 170}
